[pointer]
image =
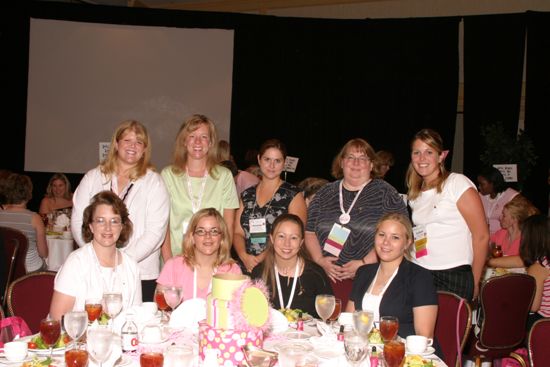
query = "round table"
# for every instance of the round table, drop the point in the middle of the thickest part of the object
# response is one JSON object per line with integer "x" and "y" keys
{"x": 59, "y": 249}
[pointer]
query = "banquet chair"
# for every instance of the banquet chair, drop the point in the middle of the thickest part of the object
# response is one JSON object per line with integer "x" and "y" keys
{"x": 30, "y": 296}
{"x": 452, "y": 327}
{"x": 14, "y": 247}
{"x": 537, "y": 343}
{"x": 505, "y": 304}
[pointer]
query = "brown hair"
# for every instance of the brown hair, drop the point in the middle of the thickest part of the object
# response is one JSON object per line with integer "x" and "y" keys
{"x": 59, "y": 176}
{"x": 535, "y": 239}
{"x": 354, "y": 144}
{"x": 109, "y": 165}
{"x": 224, "y": 252}
{"x": 17, "y": 189}
{"x": 111, "y": 199}
{"x": 413, "y": 179}
{"x": 179, "y": 157}
{"x": 224, "y": 151}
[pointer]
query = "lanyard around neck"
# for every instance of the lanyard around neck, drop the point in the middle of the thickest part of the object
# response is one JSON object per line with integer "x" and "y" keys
{"x": 195, "y": 204}
{"x": 279, "y": 290}
{"x": 195, "y": 282}
{"x": 345, "y": 217}
{"x": 114, "y": 275}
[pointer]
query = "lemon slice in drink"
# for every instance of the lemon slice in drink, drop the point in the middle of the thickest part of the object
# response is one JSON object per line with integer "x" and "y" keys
{"x": 365, "y": 318}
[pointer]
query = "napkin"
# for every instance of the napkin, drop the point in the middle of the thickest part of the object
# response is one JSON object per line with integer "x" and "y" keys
{"x": 325, "y": 330}
{"x": 279, "y": 322}
{"x": 188, "y": 314}
{"x": 62, "y": 220}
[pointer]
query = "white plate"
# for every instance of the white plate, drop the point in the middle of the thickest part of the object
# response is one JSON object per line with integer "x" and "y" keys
{"x": 46, "y": 352}
{"x": 297, "y": 335}
{"x": 329, "y": 353}
{"x": 281, "y": 346}
{"x": 428, "y": 352}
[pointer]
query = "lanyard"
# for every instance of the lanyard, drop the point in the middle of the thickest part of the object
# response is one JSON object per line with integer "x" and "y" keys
{"x": 196, "y": 204}
{"x": 195, "y": 282}
{"x": 280, "y": 292}
{"x": 114, "y": 274}
{"x": 126, "y": 191}
{"x": 268, "y": 204}
{"x": 345, "y": 217}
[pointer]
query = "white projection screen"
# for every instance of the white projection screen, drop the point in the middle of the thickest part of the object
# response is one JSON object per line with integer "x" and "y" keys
{"x": 86, "y": 78}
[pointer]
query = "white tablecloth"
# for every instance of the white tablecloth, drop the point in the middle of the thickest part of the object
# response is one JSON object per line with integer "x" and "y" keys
{"x": 58, "y": 250}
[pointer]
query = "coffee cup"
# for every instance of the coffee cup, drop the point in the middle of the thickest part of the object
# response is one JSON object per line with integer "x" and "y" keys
{"x": 15, "y": 351}
{"x": 149, "y": 307}
{"x": 345, "y": 318}
{"x": 417, "y": 344}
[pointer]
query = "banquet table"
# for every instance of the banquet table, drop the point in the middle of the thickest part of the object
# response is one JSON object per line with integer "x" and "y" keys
{"x": 493, "y": 272}
{"x": 59, "y": 249}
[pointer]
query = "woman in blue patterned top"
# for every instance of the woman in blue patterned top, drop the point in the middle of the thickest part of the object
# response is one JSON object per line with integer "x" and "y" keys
{"x": 260, "y": 205}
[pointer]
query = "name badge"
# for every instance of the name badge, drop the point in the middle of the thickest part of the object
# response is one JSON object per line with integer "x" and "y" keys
{"x": 258, "y": 230}
{"x": 336, "y": 239}
{"x": 420, "y": 241}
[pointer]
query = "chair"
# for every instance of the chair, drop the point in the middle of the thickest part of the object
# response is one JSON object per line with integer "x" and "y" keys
{"x": 537, "y": 343}
{"x": 14, "y": 246}
{"x": 30, "y": 296}
{"x": 505, "y": 304}
{"x": 454, "y": 320}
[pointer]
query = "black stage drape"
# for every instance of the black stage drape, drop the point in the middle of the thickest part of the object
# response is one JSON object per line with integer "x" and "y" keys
{"x": 537, "y": 105}
{"x": 493, "y": 67}
{"x": 317, "y": 83}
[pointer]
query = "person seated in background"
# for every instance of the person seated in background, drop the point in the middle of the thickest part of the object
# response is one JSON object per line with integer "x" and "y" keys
{"x": 292, "y": 278}
{"x": 309, "y": 187}
{"x": 508, "y": 238}
{"x": 58, "y": 195}
{"x": 494, "y": 193}
{"x": 243, "y": 179}
{"x": 17, "y": 191}
{"x": 251, "y": 162}
{"x": 383, "y": 161}
{"x": 99, "y": 266}
{"x": 535, "y": 254}
{"x": 395, "y": 286}
{"x": 206, "y": 251}
{"x": 4, "y": 173}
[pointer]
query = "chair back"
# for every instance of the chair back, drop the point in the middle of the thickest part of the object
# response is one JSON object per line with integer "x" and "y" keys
{"x": 454, "y": 320}
{"x": 15, "y": 245}
{"x": 537, "y": 343}
{"x": 30, "y": 296}
{"x": 505, "y": 301}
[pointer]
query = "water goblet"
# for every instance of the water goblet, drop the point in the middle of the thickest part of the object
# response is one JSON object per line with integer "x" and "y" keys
{"x": 99, "y": 342}
{"x": 324, "y": 305}
{"x": 362, "y": 322}
{"x": 356, "y": 347}
{"x": 172, "y": 296}
{"x": 75, "y": 323}
{"x": 113, "y": 305}
{"x": 389, "y": 326}
{"x": 178, "y": 356}
{"x": 50, "y": 330}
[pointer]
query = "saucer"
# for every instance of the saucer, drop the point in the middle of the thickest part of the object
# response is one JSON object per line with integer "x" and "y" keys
{"x": 427, "y": 352}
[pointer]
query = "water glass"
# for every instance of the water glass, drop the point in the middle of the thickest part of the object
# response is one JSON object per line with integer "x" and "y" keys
{"x": 113, "y": 305}
{"x": 356, "y": 348}
{"x": 99, "y": 342}
{"x": 362, "y": 322}
{"x": 292, "y": 355}
{"x": 75, "y": 323}
{"x": 179, "y": 356}
{"x": 324, "y": 305}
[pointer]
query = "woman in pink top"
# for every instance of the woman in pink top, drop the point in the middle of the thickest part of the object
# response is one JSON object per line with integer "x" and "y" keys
{"x": 206, "y": 251}
{"x": 514, "y": 213}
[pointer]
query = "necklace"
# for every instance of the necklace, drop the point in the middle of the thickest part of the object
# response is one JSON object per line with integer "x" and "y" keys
{"x": 345, "y": 217}
{"x": 195, "y": 203}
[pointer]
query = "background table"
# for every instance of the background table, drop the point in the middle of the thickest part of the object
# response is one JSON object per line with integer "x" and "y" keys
{"x": 58, "y": 250}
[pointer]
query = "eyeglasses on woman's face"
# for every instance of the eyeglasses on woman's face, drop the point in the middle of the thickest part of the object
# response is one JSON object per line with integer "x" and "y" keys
{"x": 213, "y": 232}
{"x": 362, "y": 159}
{"x": 112, "y": 222}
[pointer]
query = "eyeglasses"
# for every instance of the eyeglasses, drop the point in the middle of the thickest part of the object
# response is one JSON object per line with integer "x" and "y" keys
{"x": 361, "y": 159}
{"x": 201, "y": 232}
{"x": 113, "y": 222}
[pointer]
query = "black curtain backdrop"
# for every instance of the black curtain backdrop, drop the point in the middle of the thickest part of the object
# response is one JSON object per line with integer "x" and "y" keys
{"x": 317, "y": 83}
{"x": 493, "y": 67}
{"x": 537, "y": 106}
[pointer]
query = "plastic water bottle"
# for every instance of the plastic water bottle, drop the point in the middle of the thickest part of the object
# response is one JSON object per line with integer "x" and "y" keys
{"x": 129, "y": 334}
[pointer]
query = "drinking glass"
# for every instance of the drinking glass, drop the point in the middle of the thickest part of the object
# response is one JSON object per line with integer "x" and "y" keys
{"x": 394, "y": 352}
{"x": 93, "y": 308}
{"x": 151, "y": 359}
{"x": 161, "y": 302}
{"x": 50, "y": 330}
{"x": 389, "y": 325}
{"x": 99, "y": 342}
{"x": 356, "y": 348}
{"x": 172, "y": 296}
{"x": 293, "y": 355}
{"x": 76, "y": 356}
{"x": 324, "y": 305}
{"x": 362, "y": 322}
{"x": 113, "y": 305}
{"x": 337, "y": 310}
{"x": 75, "y": 323}
{"x": 179, "y": 356}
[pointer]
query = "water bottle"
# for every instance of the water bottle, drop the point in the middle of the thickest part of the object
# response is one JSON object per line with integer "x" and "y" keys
{"x": 129, "y": 334}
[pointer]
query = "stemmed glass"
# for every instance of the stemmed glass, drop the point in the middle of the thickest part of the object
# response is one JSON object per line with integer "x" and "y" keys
{"x": 362, "y": 322}
{"x": 172, "y": 296}
{"x": 324, "y": 305}
{"x": 93, "y": 308}
{"x": 50, "y": 331}
{"x": 75, "y": 323}
{"x": 394, "y": 352}
{"x": 99, "y": 342}
{"x": 113, "y": 305}
{"x": 356, "y": 348}
{"x": 337, "y": 311}
{"x": 389, "y": 326}
{"x": 161, "y": 302}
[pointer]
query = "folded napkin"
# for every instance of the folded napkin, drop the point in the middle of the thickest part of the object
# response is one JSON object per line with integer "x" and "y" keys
{"x": 325, "y": 330}
{"x": 188, "y": 314}
{"x": 62, "y": 220}
{"x": 279, "y": 322}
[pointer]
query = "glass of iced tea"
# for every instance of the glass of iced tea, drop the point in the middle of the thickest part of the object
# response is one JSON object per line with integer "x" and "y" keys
{"x": 337, "y": 310}
{"x": 151, "y": 359}
{"x": 394, "y": 352}
{"x": 93, "y": 307}
{"x": 77, "y": 356}
{"x": 389, "y": 325}
{"x": 50, "y": 330}
{"x": 161, "y": 302}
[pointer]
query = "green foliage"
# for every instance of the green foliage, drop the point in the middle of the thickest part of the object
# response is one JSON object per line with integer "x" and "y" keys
{"x": 501, "y": 147}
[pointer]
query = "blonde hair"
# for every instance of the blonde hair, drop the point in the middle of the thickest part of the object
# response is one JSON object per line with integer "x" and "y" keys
{"x": 354, "y": 144}
{"x": 224, "y": 252}
{"x": 179, "y": 157}
{"x": 521, "y": 208}
{"x": 405, "y": 222}
{"x": 413, "y": 179}
{"x": 224, "y": 151}
{"x": 109, "y": 165}
{"x": 59, "y": 176}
